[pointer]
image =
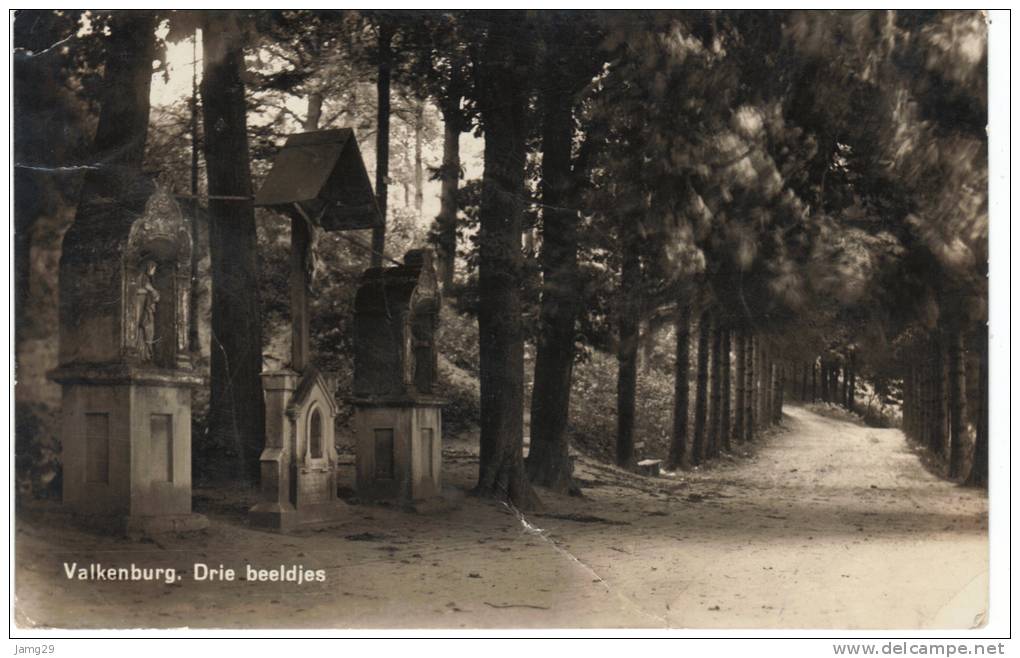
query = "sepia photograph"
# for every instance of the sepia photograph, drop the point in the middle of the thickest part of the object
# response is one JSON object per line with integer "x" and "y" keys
{"x": 504, "y": 321}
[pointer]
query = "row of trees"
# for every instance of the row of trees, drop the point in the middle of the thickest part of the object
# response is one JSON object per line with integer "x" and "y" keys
{"x": 793, "y": 183}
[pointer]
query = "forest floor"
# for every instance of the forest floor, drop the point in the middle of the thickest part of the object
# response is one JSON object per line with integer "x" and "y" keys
{"x": 824, "y": 523}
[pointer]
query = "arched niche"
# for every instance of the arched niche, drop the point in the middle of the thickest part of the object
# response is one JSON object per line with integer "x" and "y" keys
{"x": 157, "y": 272}
{"x": 315, "y": 433}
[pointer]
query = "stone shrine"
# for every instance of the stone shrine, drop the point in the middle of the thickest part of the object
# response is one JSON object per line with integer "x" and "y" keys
{"x": 397, "y": 418}
{"x": 319, "y": 181}
{"x": 124, "y": 366}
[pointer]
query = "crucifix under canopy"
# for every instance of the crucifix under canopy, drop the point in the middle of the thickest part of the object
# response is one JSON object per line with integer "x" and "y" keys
{"x": 318, "y": 180}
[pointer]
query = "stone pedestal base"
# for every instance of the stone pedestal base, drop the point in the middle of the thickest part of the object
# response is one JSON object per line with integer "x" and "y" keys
{"x": 126, "y": 435}
{"x": 285, "y": 518}
{"x": 398, "y": 451}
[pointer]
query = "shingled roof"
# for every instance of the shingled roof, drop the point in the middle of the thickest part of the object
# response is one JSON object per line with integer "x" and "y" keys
{"x": 323, "y": 173}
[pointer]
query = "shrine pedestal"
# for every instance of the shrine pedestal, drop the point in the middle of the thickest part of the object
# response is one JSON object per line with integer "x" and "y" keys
{"x": 127, "y": 447}
{"x": 298, "y": 477}
{"x": 397, "y": 417}
{"x": 399, "y": 449}
{"x": 124, "y": 368}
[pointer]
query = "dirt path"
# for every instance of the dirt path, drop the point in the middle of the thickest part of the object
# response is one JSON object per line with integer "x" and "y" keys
{"x": 827, "y": 524}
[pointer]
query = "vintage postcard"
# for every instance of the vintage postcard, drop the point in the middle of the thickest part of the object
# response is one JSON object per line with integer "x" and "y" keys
{"x": 512, "y": 321}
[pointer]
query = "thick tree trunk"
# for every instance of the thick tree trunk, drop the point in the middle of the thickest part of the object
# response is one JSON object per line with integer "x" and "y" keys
{"x": 924, "y": 401}
{"x": 121, "y": 133}
{"x": 419, "y": 171}
{"x": 701, "y": 389}
{"x": 681, "y": 387}
{"x": 236, "y": 408}
{"x": 382, "y": 137}
{"x": 725, "y": 387}
{"x": 501, "y": 342}
{"x": 851, "y": 396}
{"x": 715, "y": 383}
{"x": 978, "y": 475}
{"x": 194, "y": 340}
{"x": 915, "y": 415}
{"x": 957, "y": 402}
{"x": 844, "y": 393}
{"x": 740, "y": 338}
{"x": 446, "y": 221}
{"x": 758, "y": 382}
{"x": 906, "y": 417}
{"x": 749, "y": 394}
{"x": 627, "y": 354}
{"x": 777, "y": 391}
{"x": 548, "y": 461}
{"x": 938, "y": 435}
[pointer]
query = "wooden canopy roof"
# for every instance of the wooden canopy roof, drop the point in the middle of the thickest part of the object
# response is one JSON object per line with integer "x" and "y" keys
{"x": 323, "y": 174}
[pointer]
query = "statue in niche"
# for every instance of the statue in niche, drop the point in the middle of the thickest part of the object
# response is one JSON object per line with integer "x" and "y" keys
{"x": 146, "y": 299}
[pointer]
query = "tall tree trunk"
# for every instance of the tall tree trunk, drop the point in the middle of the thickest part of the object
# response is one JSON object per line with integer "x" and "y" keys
{"x": 121, "y": 133}
{"x": 957, "y": 402}
{"x": 715, "y": 382}
{"x": 907, "y": 409}
{"x": 916, "y": 416}
{"x": 502, "y": 86}
{"x": 938, "y": 435}
{"x": 701, "y": 391}
{"x": 844, "y": 394}
{"x": 749, "y": 373}
{"x": 194, "y": 341}
{"x": 681, "y": 387}
{"x": 236, "y": 408}
{"x": 978, "y": 475}
{"x": 725, "y": 389}
{"x": 758, "y": 383}
{"x": 740, "y": 337}
{"x": 627, "y": 353}
{"x": 419, "y": 173}
{"x": 823, "y": 377}
{"x": 780, "y": 389}
{"x": 548, "y": 461}
{"x": 446, "y": 221}
{"x": 851, "y": 396}
{"x": 925, "y": 396}
{"x": 382, "y": 137}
